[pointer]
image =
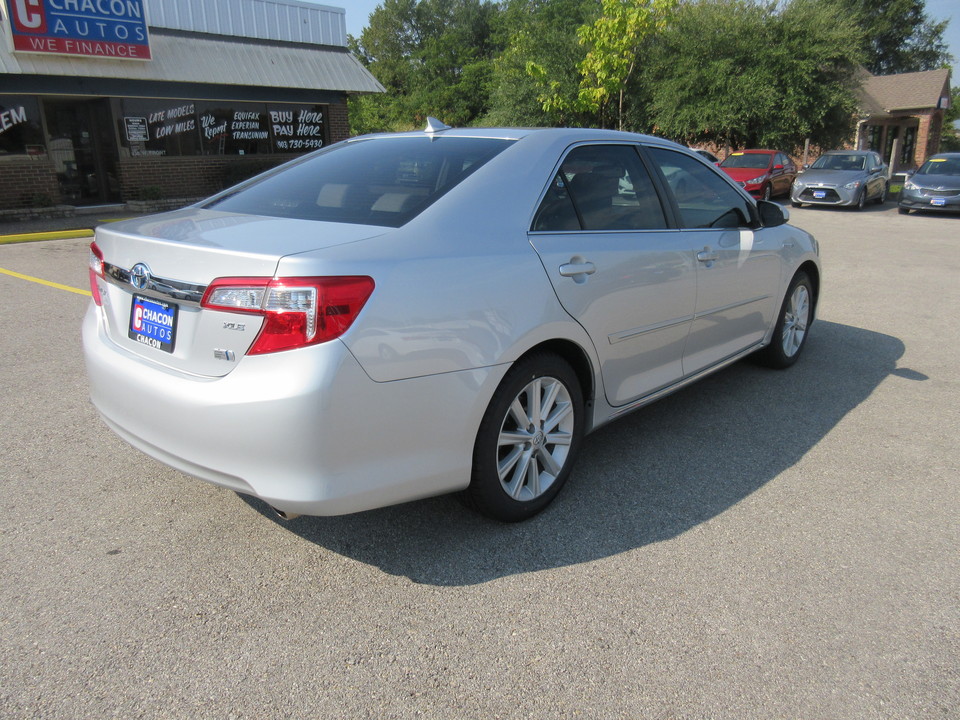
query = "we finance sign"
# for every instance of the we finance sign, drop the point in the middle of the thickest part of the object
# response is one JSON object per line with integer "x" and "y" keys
{"x": 96, "y": 28}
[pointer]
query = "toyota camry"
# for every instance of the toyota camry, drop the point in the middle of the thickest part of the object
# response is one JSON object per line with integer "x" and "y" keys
{"x": 404, "y": 315}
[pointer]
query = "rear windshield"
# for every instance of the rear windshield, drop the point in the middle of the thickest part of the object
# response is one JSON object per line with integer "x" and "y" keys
{"x": 376, "y": 181}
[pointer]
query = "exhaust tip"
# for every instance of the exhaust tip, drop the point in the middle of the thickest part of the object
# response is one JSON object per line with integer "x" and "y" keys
{"x": 283, "y": 514}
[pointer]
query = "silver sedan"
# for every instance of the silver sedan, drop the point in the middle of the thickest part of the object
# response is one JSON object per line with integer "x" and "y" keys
{"x": 848, "y": 178}
{"x": 935, "y": 186}
{"x": 400, "y": 316}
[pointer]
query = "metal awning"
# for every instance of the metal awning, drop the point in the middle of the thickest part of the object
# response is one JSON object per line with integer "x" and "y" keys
{"x": 213, "y": 59}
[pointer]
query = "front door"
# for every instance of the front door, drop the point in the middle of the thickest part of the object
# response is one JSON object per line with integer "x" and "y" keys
{"x": 82, "y": 146}
{"x": 617, "y": 267}
{"x": 738, "y": 263}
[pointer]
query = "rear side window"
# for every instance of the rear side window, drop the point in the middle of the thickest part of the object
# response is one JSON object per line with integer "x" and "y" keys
{"x": 600, "y": 187}
{"x": 377, "y": 181}
{"x": 705, "y": 199}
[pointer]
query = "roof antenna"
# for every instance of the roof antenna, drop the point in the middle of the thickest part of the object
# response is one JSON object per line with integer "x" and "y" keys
{"x": 435, "y": 126}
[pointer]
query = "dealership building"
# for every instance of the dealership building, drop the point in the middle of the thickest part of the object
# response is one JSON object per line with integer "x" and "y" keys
{"x": 109, "y": 101}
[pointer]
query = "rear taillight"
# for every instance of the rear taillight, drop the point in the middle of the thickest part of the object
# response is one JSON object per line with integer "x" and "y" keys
{"x": 96, "y": 272}
{"x": 297, "y": 311}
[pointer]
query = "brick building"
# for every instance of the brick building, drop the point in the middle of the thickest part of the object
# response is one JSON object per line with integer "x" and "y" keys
{"x": 905, "y": 112}
{"x": 105, "y": 101}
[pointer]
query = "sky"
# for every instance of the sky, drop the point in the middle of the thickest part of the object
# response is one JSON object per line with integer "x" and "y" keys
{"x": 358, "y": 14}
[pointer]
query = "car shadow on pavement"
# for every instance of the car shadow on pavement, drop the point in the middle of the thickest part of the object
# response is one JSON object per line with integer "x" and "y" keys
{"x": 648, "y": 477}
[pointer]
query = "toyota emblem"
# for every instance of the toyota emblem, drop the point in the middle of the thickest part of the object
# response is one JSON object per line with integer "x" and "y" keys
{"x": 140, "y": 276}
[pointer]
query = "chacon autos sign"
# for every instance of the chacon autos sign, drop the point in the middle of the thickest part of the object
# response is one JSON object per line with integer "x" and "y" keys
{"x": 98, "y": 28}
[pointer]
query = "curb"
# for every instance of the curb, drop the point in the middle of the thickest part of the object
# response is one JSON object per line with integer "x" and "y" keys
{"x": 53, "y": 235}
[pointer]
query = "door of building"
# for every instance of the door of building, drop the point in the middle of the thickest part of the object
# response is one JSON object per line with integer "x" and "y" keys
{"x": 82, "y": 145}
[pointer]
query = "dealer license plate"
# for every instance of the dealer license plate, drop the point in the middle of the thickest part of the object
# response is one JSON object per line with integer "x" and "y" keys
{"x": 819, "y": 194}
{"x": 939, "y": 202}
{"x": 153, "y": 323}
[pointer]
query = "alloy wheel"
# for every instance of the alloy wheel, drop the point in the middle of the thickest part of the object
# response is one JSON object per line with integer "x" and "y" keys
{"x": 535, "y": 438}
{"x": 795, "y": 320}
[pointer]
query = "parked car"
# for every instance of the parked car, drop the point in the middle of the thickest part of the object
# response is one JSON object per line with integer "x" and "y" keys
{"x": 850, "y": 178}
{"x": 707, "y": 155}
{"x": 399, "y": 316}
{"x": 935, "y": 186}
{"x": 762, "y": 173}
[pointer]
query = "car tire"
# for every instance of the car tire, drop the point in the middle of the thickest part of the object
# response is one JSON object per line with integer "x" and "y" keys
{"x": 903, "y": 210}
{"x": 528, "y": 439}
{"x": 883, "y": 194}
{"x": 767, "y": 192}
{"x": 861, "y": 200}
{"x": 793, "y": 325}
{"x": 796, "y": 204}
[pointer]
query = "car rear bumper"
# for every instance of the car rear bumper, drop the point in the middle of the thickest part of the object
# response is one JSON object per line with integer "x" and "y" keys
{"x": 307, "y": 431}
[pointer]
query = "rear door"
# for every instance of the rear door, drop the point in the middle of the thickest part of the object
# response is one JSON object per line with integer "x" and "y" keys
{"x": 618, "y": 266}
{"x": 737, "y": 261}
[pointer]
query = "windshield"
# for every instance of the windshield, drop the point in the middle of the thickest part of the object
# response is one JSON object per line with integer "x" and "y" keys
{"x": 747, "y": 160}
{"x": 940, "y": 166}
{"x": 373, "y": 181}
{"x": 839, "y": 162}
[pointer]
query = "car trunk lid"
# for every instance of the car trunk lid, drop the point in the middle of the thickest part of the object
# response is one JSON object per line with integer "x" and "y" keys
{"x": 155, "y": 272}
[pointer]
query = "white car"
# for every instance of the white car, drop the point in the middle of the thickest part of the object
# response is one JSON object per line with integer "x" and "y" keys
{"x": 400, "y": 316}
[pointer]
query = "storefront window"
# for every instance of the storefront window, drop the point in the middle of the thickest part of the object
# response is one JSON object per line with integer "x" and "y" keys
{"x": 893, "y": 132}
{"x": 159, "y": 127}
{"x": 20, "y": 130}
{"x": 171, "y": 127}
{"x": 874, "y": 133}
{"x": 909, "y": 146}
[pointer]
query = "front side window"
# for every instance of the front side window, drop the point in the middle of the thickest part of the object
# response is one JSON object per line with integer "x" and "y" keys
{"x": 601, "y": 187}
{"x": 705, "y": 199}
{"x": 385, "y": 181}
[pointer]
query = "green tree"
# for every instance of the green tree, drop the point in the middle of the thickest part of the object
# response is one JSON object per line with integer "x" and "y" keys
{"x": 898, "y": 36}
{"x": 613, "y": 45}
{"x": 615, "y": 41}
{"x": 739, "y": 73}
{"x": 539, "y": 35}
{"x": 950, "y": 135}
{"x": 434, "y": 57}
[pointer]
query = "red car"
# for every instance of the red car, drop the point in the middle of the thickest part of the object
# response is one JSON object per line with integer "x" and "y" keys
{"x": 762, "y": 173}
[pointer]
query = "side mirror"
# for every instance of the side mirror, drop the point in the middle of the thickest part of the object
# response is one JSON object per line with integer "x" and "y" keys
{"x": 778, "y": 167}
{"x": 772, "y": 214}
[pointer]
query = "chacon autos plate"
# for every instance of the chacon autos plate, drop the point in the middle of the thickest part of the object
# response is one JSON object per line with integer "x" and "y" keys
{"x": 153, "y": 322}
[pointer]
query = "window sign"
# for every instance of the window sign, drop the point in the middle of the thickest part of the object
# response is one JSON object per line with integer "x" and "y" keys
{"x": 20, "y": 130}
{"x": 182, "y": 127}
{"x": 159, "y": 127}
{"x": 97, "y": 28}
{"x": 234, "y": 129}
{"x": 297, "y": 129}
{"x": 136, "y": 129}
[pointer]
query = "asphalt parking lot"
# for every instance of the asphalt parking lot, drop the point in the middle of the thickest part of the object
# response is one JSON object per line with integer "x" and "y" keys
{"x": 761, "y": 545}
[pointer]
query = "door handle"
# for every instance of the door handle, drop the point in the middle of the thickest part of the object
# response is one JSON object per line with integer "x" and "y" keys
{"x": 707, "y": 255}
{"x": 577, "y": 266}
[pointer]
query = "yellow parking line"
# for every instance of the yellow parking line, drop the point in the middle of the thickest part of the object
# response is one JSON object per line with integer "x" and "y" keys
{"x": 52, "y": 235}
{"x": 58, "y": 286}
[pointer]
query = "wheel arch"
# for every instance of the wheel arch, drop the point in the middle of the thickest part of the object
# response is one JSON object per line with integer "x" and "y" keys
{"x": 582, "y": 366}
{"x": 812, "y": 272}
